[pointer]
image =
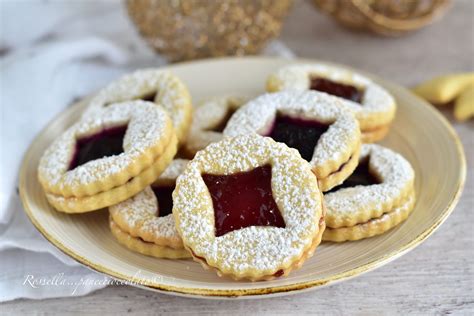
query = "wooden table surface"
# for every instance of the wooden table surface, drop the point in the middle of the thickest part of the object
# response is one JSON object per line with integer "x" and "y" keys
{"x": 435, "y": 278}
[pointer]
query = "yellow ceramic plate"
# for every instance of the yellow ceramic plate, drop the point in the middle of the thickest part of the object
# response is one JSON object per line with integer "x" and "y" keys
{"x": 422, "y": 135}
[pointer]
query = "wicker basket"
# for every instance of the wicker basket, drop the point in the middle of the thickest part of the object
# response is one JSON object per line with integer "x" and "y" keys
{"x": 386, "y": 17}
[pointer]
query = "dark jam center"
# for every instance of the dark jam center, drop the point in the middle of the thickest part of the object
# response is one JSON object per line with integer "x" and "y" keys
{"x": 298, "y": 133}
{"x": 360, "y": 176}
{"x": 164, "y": 195}
{"x": 243, "y": 199}
{"x": 338, "y": 89}
{"x": 147, "y": 97}
{"x": 108, "y": 142}
{"x": 223, "y": 123}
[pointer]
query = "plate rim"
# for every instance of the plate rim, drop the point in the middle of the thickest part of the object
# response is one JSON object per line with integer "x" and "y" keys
{"x": 264, "y": 291}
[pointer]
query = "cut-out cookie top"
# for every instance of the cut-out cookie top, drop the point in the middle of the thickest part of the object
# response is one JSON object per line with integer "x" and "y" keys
{"x": 358, "y": 204}
{"x": 376, "y": 106}
{"x": 140, "y": 215}
{"x": 243, "y": 199}
{"x": 338, "y": 89}
{"x": 148, "y": 132}
{"x": 254, "y": 250}
{"x": 106, "y": 143}
{"x": 360, "y": 176}
{"x": 334, "y": 146}
{"x": 210, "y": 119}
{"x": 303, "y": 135}
{"x": 159, "y": 86}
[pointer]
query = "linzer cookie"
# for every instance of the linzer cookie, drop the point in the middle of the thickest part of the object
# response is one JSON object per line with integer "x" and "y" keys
{"x": 210, "y": 119}
{"x": 107, "y": 158}
{"x": 373, "y": 106}
{"x": 144, "y": 223}
{"x": 375, "y": 198}
{"x": 136, "y": 244}
{"x": 249, "y": 208}
{"x": 158, "y": 86}
{"x": 326, "y": 134}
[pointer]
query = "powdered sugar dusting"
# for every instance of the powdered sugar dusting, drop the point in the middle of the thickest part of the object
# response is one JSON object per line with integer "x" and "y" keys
{"x": 138, "y": 214}
{"x": 169, "y": 92}
{"x": 146, "y": 124}
{"x": 376, "y": 100}
{"x": 172, "y": 172}
{"x": 263, "y": 249}
{"x": 207, "y": 115}
{"x": 258, "y": 115}
{"x": 211, "y": 112}
{"x": 397, "y": 180}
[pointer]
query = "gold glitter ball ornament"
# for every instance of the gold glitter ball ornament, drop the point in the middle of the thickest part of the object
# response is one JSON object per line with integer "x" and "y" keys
{"x": 191, "y": 29}
{"x": 385, "y": 17}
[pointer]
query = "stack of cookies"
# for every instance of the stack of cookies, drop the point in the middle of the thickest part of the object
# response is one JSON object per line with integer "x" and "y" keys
{"x": 246, "y": 187}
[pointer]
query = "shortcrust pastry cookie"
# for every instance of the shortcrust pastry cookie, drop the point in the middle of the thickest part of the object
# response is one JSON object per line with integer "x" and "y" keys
{"x": 159, "y": 86}
{"x": 209, "y": 120}
{"x": 375, "y": 198}
{"x": 373, "y": 227}
{"x": 326, "y": 134}
{"x": 107, "y": 158}
{"x": 374, "y": 107}
{"x": 249, "y": 208}
{"x": 144, "y": 222}
{"x": 137, "y": 244}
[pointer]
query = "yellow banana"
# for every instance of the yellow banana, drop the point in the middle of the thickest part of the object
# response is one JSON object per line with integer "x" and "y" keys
{"x": 464, "y": 106}
{"x": 444, "y": 89}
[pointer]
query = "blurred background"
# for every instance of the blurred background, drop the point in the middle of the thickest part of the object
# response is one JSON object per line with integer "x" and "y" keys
{"x": 383, "y": 34}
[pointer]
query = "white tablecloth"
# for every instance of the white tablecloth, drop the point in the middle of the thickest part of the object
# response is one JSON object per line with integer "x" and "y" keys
{"x": 53, "y": 54}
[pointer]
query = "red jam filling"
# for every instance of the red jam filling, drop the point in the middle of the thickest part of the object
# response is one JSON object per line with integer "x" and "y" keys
{"x": 149, "y": 97}
{"x": 164, "y": 195}
{"x": 360, "y": 176}
{"x": 338, "y": 89}
{"x": 243, "y": 199}
{"x": 300, "y": 134}
{"x": 223, "y": 123}
{"x": 108, "y": 142}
